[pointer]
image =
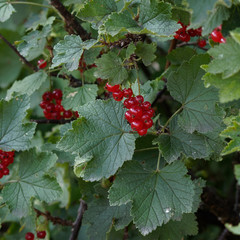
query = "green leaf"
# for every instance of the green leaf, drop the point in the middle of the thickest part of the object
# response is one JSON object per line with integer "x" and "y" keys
{"x": 178, "y": 141}
{"x": 232, "y": 132}
{"x": 233, "y": 229}
{"x": 229, "y": 88}
{"x": 103, "y": 133}
{"x": 28, "y": 85}
{"x": 34, "y": 43}
{"x": 198, "y": 17}
{"x": 69, "y": 51}
{"x": 237, "y": 172}
{"x": 6, "y": 10}
{"x": 75, "y": 97}
{"x": 236, "y": 35}
{"x": 146, "y": 52}
{"x": 31, "y": 181}
{"x": 225, "y": 59}
{"x": 198, "y": 103}
{"x": 179, "y": 55}
{"x": 96, "y": 11}
{"x": 100, "y": 217}
{"x": 110, "y": 67}
{"x": 215, "y": 18}
{"x": 155, "y": 17}
{"x": 156, "y": 196}
{"x": 130, "y": 50}
{"x": 181, "y": 14}
{"x": 14, "y": 134}
{"x": 176, "y": 230}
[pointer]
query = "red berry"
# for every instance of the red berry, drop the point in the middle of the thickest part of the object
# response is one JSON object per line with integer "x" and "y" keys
{"x": 198, "y": 31}
{"x": 43, "y": 104}
{"x": 216, "y": 36}
{"x": 146, "y": 105}
{"x": 142, "y": 132}
{"x": 132, "y": 102}
{"x": 76, "y": 114}
{"x": 47, "y": 97}
{"x": 5, "y": 171}
{"x": 137, "y": 125}
{"x": 223, "y": 40}
{"x": 50, "y": 107}
{"x": 127, "y": 93}
{"x": 29, "y": 236}
{"x": 118, "y": 95}
{"x": 59, "y": 101}
{"x": 148, "y": 123}
{"x": 59, "y": 108}
{"x": 67, "y": 114}
{"x": 139, "y": 99}
{"x": 42, "y": 63}
{"x": 202, "y": 43}
{"x": 126, "y": 104}
{"x": 150, "y": 112}
{"x": 111, "y": 88}
{"x": 136, "y": 111}
{"x": 192, "y": 32}
{"x": 47, "y": 114}
{"x": 1, "y": 174}
{"x": 41, "y": 234}
{"x": 57, "y": 94}
{"x": 128, "y": 116}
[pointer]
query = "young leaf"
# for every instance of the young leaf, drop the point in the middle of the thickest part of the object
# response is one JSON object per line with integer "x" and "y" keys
{"x": 156, "y": 196}
{"x": 31, "y": 182}
{"x": 178, "y": 141}
{"x": 104, "y": 133}
{"x": 198, "y": 103}
{"x": 75, "y": 97}
{"x": 232, "y": 132}
{"x": 225, "y": 59}
{"x": 229, "y": 89}
{"x": 110, "y": 67}
{"x": 69, "y": 51}
{"x": 14, "y": 134}
{"x": 96, "y": 11}
{"x": 6, "y": 10}
{"x": 28, "y": 85}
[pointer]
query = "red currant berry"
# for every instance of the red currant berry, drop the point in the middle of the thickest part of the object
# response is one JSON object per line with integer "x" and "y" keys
{"x": 50, "y": 107}
{"x": 29, "y": 236}
{"x": 223, "y": 40}
{"x": 41, "y": 234}
{"x": 128, "y": 116}
{"x": 150, "y": 112}
{"x": 59, "y": 108}
{"x": 76, "y": 114}
{"x": 148, "y": 123}
{"x": 1, "y": 174}
{"x": 146, "y": 105}
{"x": 59, "y": 101}
{"x": 47, "y": 97}
{"x": 111, "y": 88}
{"x": 67, "y": 114}
{"x": 118, "y": 95}
{"x": 184, "y": 37}
{"x": 137, "y": 125}
{"x": 136, "y": 111}
{"x": 5, "y": 171}
{"x": 202, "y": 43}
{"x": 142, "y": 132}
{"x": 126, "y": 104}
{"x": 47, "y": 114}
{"x": 139, "y": 99}
{"x": 132, "y": 101}
{"x": 192, "y": 32}
{"x": 198, "y": 31}
{"x": 42, "y": 63}
{"x": 216, "y": 36}
{"x": 57, "y": 94}
{"x": 127, "y": 93}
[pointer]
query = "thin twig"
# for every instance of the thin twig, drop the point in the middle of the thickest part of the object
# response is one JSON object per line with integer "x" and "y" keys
{"x": 78, "y": 222}
{"x": 172, "y": 47}
{"x": 191, "y": 44}
{"x": 72, "y": 24}
{"x": 24, "y": 60}
{"x": 53, "y": 121}
{"x": 125, "y": 235}
{"x": 54, "y": 220}
{"x": 223, "y": 234}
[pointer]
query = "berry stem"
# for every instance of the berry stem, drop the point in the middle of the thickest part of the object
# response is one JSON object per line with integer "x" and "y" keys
{"x": 191, "y": 44}
{"x": 24, "y": 60}
{"x": 146, "y": 149}
{"x": 169, "y": 120}
{"x": 53, "y": 121}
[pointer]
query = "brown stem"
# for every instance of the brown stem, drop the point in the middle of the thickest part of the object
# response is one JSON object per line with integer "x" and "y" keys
{"x": 72, "y": 24}
{"x": 78, "y": 222}
{"x": 191, "y": 44}
{"x": 53, "y": 121}
{"x": 54, "y": 220}
{"x": 24, "y": 60}
{"x": 125, "y": 235}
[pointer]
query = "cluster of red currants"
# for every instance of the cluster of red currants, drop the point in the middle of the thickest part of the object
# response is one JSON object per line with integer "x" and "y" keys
{"x": 139, "y": 113}
{"x": 40, "y": 235}
{"x": 217, "y": 36}
{"x": 55, "y": 110}
{"x": 185, "y": 35}
{"x": 6, "y": 158}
